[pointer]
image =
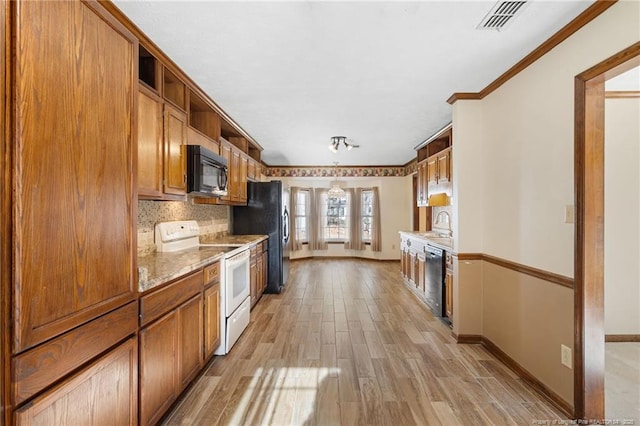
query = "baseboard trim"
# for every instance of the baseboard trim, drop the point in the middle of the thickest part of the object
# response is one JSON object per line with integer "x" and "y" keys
{"x": 542, "y": 389}
{"x": 466, "y": 338}
{"x": 620, "y": 338}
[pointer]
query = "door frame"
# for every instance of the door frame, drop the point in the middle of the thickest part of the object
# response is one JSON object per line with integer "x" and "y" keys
{"x": 589, "y": 231}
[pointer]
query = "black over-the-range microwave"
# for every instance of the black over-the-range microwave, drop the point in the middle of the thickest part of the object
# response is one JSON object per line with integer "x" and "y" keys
{"x": 206, "y": 172}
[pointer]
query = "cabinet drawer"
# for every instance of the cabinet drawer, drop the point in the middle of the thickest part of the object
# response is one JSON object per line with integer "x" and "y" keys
{"x": 105, "y": 392}
{"x": 159, "y": 302}
{"x": 41, "y": 366}
{"x": 212, "y": 273}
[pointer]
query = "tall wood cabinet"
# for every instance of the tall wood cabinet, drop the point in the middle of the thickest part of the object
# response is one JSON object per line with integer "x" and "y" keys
{"x": 73, "y": 248}
{"x": 74, "y": 244}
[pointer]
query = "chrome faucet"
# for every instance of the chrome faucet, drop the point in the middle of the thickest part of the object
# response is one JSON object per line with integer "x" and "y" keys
{"x": 447, "y": 220}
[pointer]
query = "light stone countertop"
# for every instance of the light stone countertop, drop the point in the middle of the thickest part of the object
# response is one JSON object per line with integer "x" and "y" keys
{"x": 159, "y": 268}
{"x": 232, "y": 240}
{"x": 445, "y": 243}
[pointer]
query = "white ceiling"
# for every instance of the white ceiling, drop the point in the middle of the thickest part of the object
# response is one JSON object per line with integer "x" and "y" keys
{"x": 295, "y": 73}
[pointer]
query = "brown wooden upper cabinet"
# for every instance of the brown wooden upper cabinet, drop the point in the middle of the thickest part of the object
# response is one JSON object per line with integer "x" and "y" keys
{"x": 73, "y": 237}
{"x": 443, "y": 160}
{"x": 434, "y": 167}
{"x": 175, "y": 141}
{"x": 150, "y": 123}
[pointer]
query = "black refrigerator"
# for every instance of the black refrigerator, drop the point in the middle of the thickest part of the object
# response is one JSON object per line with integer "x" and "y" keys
{"x": 267, "y": 213}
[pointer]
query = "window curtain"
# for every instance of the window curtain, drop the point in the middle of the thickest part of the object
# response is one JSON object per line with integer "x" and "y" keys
{"x": 293, "y": 207}
{"x": 355, "y": 219}
{"x": 376, "y": 239}
{"x": 316, "y": 228}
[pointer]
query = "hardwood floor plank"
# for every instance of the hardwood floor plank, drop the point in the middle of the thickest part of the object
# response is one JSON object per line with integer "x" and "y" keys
{"x": 362, "y": 359}
{"x": 343, "y": 345}
{"x": 347, "y": 343}
{"x": 348, "y": 384}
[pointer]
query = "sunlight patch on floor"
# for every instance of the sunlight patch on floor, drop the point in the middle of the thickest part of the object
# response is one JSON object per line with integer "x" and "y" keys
{"x": 269, "y": 389}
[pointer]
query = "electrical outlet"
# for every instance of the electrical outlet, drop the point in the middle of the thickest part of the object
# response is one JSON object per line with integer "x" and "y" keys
{"x": 565, "y": 356}
{"x": 569, "y": 214}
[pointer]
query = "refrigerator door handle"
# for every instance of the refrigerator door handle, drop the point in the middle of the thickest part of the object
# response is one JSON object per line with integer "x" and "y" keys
{"x": 285, "y": 225}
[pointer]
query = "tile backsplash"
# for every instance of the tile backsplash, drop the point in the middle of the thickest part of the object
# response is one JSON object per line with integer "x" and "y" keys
{"x": 211, "y": 219}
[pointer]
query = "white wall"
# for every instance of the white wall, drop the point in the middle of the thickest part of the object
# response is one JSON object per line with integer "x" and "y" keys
{"x": 395, "y": 211}
{"x": 527, "y": 147}
{"x": 468, "y": 185}
{"x": 622, "y": 216}
{"x": 513, "y": 177}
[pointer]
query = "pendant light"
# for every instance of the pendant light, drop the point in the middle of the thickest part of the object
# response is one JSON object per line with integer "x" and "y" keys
{"x": 335, "y": 191}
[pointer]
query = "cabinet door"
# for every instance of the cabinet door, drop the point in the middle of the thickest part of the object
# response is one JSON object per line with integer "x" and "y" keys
{"x": 444, "y": 166}
{"x": 235, "y": 175}
{"x": 420, "y": 282}
{"x": 149, "y": 144}
{"x": 265, "y": 265}
{"x": 432, "y": 171}
{"x": 105, "y": 392}
{"x": 191, "y": 330}
{"x": 253, "y": 282}
{"x": 225, "y": 151}
{"x": 175, "y": 141}
{"x": 211, "y": 319}
{"x": 448, "y": 282}
{"x": 158, "y": 367}
{"x": 404, "y": 261}
{"x": 260, "y": 274}
{"x": 242, "y": 190}
{"x": 73, "y": 251}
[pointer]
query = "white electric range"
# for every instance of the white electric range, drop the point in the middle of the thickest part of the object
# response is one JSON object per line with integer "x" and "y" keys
{"x": 234, "y": 277}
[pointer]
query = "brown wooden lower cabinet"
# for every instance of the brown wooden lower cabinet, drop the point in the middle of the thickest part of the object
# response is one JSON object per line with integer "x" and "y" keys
{"x": 190, "y": 315}
{"x": 262, "y": 271}
{"x": 211, "y": 319}
{"x": 158, "y": 368}
{"x": 171, "y": 347}
{"x": 448, "y": 284}
{"x": 258, "y": 272}
{"x": 253, "y": 277}
{"x": 105, "y": 392}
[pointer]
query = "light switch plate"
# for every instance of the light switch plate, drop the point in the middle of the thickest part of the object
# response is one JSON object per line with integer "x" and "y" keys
{"x": 565, "y": 356}
{"x": 569, "y": 214}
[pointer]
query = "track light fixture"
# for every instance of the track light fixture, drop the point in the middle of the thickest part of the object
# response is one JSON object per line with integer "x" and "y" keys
{"x": 337, "y": 140}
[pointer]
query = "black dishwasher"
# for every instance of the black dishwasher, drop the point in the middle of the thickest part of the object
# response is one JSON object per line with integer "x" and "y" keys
{"x": 434, "y": 279}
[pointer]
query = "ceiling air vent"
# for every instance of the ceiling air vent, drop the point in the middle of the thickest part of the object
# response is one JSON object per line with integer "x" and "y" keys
{"x": 501, "y": 14}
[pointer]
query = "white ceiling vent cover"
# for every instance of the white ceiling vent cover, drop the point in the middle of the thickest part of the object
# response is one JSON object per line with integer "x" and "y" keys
{"x": 501, "y": 14}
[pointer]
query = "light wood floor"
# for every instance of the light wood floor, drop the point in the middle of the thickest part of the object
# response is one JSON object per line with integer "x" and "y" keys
{"x": 347, "y": 343}
{"x": 622, "y": 381}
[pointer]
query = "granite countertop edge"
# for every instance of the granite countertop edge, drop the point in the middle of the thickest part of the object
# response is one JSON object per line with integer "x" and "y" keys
{"x": 435, "y": 241}
{"x": 157, "y": 268}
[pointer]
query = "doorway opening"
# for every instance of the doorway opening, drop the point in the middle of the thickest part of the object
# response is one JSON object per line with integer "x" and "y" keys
{"x": 589, "y": 342}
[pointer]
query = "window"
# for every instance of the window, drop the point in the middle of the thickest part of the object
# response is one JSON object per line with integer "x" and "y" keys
{"x": 366, "y": 215}
{"x": 336, "y": 218}
{"x": 302, "y": 216}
